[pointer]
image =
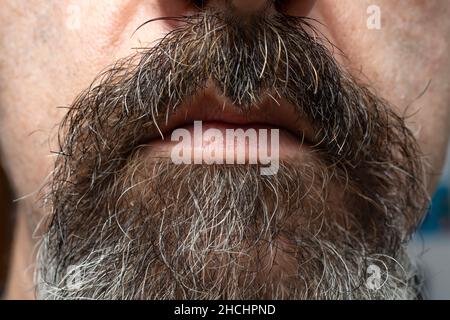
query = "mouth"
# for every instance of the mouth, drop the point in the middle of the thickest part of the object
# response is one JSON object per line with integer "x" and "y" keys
{"x": 213, "y": 111}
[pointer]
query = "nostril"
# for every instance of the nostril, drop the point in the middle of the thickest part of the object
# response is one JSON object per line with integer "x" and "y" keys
{"x": 289, "y": 7}
{"x": 250, "y": 7}
{"x": 280, "y": 5}
{"x": 199, "y": 4}
{"x": 295, "y": 7}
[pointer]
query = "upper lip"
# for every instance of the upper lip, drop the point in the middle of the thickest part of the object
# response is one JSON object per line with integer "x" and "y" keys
{"x": 209, "y": 106}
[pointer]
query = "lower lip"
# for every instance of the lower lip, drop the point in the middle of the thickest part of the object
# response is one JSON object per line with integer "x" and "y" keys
{"x": 204, "y": 145}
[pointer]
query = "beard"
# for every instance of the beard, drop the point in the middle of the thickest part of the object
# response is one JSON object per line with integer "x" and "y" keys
{"x": 125, "y": 225}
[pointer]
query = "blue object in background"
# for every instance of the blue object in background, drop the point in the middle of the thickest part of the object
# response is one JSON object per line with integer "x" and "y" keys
{"x": 438, "y": 216}
{"x": 431, "y": 248}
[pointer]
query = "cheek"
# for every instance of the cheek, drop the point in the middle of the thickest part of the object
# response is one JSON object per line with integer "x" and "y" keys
{"x": 69, "y": 56}
{"x": 70, "y": 45}
{"x": 25, "y": 160}
{"x": 405, "y": 61}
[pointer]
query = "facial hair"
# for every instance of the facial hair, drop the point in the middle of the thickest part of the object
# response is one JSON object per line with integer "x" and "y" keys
{"x": 127, "y": 226}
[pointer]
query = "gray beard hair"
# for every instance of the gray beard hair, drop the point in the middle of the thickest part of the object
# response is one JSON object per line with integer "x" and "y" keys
{"x": 225, "y": 232}
{"x": 124, "y": 227}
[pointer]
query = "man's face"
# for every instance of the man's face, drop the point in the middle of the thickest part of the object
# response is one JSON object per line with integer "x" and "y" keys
{"x": 358, "y": 90}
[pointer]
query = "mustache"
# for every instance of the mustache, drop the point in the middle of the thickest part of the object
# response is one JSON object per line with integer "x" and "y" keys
{"x": 279, "y": 56}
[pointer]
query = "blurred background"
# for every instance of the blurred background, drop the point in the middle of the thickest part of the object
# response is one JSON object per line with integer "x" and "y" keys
{"x": 431, "y": 245}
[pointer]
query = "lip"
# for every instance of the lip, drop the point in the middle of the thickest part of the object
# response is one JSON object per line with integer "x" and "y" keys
{"x": 211, "y": 108}
{"x": 217, "y": 112}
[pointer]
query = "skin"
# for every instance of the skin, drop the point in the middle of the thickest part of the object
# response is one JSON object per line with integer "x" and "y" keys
{"x": 47, "y": 57}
